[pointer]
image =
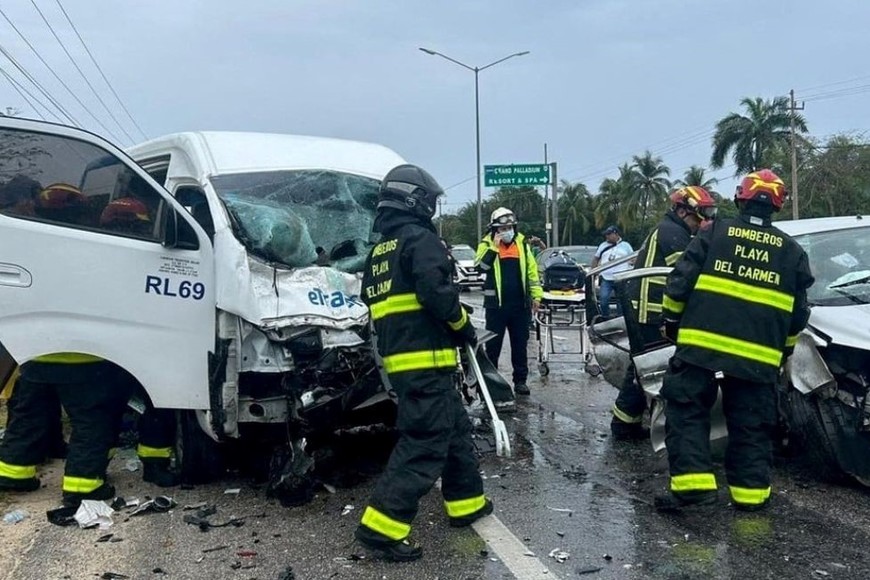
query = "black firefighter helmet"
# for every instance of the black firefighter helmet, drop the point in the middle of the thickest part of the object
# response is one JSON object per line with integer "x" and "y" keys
{"x": 410, "y": 188}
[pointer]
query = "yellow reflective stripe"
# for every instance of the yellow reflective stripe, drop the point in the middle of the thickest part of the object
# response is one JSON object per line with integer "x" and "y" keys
{"x": 396, "y": 304}
{"x": 673, "y": 305}
{"x": 729, "y": 345}
{"x": 671, "y": 259}
{"x": 791, "y": 340}
{"x": 660, "y": 280}
{"x": 693, "y": 482}
{"x": 651, "y": 245}
{"x": 463, "y": 318}
{"x": 746, "y": 292}
{"x": 749, "y": 496}
{"x": 385, "y": 525}
{"x": 80, "y": 484}
{"x": 420, "y": 360}
{"x": 17, "y": 471}
{"x": 463, "y": 507}
{"x": 67, "y": 358}
{"x": 625, "y": 417}
{"x": 146, "y": 452}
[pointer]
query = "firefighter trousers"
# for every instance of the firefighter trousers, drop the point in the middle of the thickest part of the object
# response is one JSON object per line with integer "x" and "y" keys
{"x": 690, "y": 392}
{"x": 514, "y": 321}
{"x": 156, "y": 435}
{"x": 434, "y": 441}
{"x": 90, "y": 394}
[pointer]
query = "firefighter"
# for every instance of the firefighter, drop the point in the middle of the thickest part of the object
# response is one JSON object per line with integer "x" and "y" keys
{"x": 690, "y": 207}
{"x": 126, "y": 215}
{"x": 419, "y": 323}
{"x": 88, "y": 389}
{"x": 734, "y": 305}
{"x": 511, "y": 292}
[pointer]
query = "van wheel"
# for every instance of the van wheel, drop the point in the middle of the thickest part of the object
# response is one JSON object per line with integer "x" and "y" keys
{"x": 807, "y": 427}
{"x": 201, "y": 459}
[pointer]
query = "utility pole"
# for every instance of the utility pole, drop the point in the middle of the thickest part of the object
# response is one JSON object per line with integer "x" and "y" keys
{"x": 555, "y": 182}
{"x": 547, "y": 224}
{"x": 792, "y": 107}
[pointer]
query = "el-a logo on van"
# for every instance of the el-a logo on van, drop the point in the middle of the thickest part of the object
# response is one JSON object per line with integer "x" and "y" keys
{"x": 335, "y": 299}
{"x": 166, "y": 287}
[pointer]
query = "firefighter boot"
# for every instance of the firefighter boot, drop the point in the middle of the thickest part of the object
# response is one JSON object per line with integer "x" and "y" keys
{"x": 12, "y": 484}
{"x": 402, "y": 551}
{"x": 73, "y": 499}
{"x": 158, "y": 472}
{"x": 671, "y": 502}
{"x": 465, "y": 521}
{"x": 622, "y": 431}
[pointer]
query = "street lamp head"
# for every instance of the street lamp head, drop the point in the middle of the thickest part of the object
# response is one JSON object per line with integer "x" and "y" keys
{"x": 427, "y": 51}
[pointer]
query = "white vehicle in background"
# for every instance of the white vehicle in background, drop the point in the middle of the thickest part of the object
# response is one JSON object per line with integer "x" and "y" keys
{"x": 467, "y": 274}
{"x": 216, "y": 306}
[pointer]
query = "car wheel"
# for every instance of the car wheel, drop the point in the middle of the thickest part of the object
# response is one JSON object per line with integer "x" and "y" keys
{"x": 810, "y": 429}
{"x": 200, "y": 458}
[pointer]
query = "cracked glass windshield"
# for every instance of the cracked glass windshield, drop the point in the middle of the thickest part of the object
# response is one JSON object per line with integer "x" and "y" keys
{"x": 840, "y": 262}
{"x": 285, "y": 216}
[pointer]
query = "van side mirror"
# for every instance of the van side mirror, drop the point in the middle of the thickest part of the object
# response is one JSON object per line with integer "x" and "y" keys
{"x": 177, "y": 233}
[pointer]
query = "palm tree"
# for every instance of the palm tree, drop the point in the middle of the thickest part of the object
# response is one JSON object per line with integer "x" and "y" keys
{"x": 575, "y": 205}
{"x": 652, "y": 184}
{"x": 748, "y": 138}
{"x": 696, "y": 175}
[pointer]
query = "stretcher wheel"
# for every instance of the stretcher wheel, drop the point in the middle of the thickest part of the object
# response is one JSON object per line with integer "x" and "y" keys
{"x": 544, "y": 369}
{"x": 593, "y": 369}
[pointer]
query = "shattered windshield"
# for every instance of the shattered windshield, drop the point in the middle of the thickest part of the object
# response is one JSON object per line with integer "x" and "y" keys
{"x": 302, "y": 217}
{"x": 840, "y": 263}
{"x": 462, "y": 254}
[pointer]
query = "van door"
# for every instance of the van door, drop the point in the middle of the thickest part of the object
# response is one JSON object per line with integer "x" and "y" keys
{"x": 97, "y": 258}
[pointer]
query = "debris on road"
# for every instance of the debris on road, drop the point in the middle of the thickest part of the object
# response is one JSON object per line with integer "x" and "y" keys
{"x": 347, "y": 509}
{"x": 568, "y": 511}
{"x": 588, "y": 570}
{"x": 159, "y": 504}
{"x": 104, "y": 538}
{"x": 559, "y": 555}
{"x": 114, "y": 576}
{"x": 94, "y": 513}
{"x": 233, "y": 491}
{"x": 15, "y": 516}
{"x": 287, "y": 574}
{"x": 214, "y": 549}
{"x": 62, "y": 516}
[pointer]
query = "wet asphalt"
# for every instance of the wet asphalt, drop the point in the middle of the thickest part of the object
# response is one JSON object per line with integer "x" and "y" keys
{"x": 568, "y": 487}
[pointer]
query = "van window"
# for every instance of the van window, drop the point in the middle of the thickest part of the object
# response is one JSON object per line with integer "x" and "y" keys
{"x": 283, "y": 216}
{"x": 65, "y": 181}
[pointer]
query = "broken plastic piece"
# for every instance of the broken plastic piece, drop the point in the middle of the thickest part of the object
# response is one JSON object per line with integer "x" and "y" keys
{"x": 63, "y": 516}
{"x": 233, "y": 491}
{"x": 588, "y": 570}
{"x": 559, "y": 555}
{"x": 347, "y": 509}
{"x": 113, "y": 576}
{"x": 94, "y": 513}
{"x": 246, "y": 553}
{"x": 561, "y": 510}
{"x": 15, "y": 516}
{"x": 215, "y": 549}
{"x": 104, "y": 538}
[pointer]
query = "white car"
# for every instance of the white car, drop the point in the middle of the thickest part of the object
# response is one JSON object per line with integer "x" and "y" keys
{"x": 467, "y": 274}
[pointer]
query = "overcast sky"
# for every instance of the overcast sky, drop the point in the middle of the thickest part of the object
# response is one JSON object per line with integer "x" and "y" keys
{"x": 605, "y": 79}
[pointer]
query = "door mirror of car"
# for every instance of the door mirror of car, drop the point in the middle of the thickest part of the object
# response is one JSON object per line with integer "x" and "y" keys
{"x": 177, "y": 233}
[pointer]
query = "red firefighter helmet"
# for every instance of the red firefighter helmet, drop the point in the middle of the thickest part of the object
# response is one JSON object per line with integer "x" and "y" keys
{"x": 124, "y": 211}
{"x": 60, "y": 196}
{"x": 764, "y": 186}
{"x": 695, "y": 199}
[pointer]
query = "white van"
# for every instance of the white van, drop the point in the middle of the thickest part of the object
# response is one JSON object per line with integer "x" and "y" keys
{"x": 467, "y": 274}
{"x": 217, "y": 302}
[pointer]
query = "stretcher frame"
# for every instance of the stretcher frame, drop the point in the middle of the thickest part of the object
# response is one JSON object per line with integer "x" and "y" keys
{"x": 563, "y": 310}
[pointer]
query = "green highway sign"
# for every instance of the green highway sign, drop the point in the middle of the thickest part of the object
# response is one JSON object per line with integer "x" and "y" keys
{"x": 511, "y": 175}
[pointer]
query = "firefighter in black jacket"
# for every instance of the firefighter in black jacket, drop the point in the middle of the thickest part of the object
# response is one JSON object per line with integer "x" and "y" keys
{"x": 734, "y": 304}
{"x": 419, "y": 323}
{"x": 691, "y": 205}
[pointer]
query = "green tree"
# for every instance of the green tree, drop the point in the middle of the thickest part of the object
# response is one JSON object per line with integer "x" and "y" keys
{"x": 577, "y": 212}
{"x": 697, "y": 175}
{"x": 652, "y": 185}
{"x": 749, "y": 138}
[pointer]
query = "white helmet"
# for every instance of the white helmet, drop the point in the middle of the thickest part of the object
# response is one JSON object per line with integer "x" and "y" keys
{"x": 502, "y": 217}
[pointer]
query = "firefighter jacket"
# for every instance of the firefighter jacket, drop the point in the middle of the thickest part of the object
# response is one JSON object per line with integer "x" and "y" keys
{"x": 487, "y": 260}
{"x": 739, "y": 292}
{"x": 663, "y": 247}
{"x": 412, "y": 301}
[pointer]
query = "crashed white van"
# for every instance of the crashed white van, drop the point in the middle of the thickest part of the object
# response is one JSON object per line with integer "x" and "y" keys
{"x": 218, "y": 302}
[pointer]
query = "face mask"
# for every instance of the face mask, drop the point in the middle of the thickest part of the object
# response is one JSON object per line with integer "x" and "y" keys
{"x": 507, "y": 237}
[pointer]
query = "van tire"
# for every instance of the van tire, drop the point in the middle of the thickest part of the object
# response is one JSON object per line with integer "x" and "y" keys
{"x": 200, "y": 458}
{"x": 809, "y": 427}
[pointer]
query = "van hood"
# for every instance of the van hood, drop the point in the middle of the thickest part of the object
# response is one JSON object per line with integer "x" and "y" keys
{"x": 272, "y": 297}
{"x": 846, "y": 325}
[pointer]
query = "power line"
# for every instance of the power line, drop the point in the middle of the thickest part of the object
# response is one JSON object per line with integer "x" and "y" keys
{"x": 39, "y": 87}
{"x": 99, "y": 68}
{"x": 52, "y": 71}
{"x": 85, "y": 78}
{"x": 843, "y": 92}
{"x": 844, "y": 82}
{"x": 21, "y": 90}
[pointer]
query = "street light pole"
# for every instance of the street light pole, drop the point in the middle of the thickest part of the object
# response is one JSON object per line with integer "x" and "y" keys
{"x": 476, "y": 70}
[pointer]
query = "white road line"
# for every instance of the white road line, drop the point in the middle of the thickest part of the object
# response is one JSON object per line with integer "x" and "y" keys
{"x": 511, "y": 550}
